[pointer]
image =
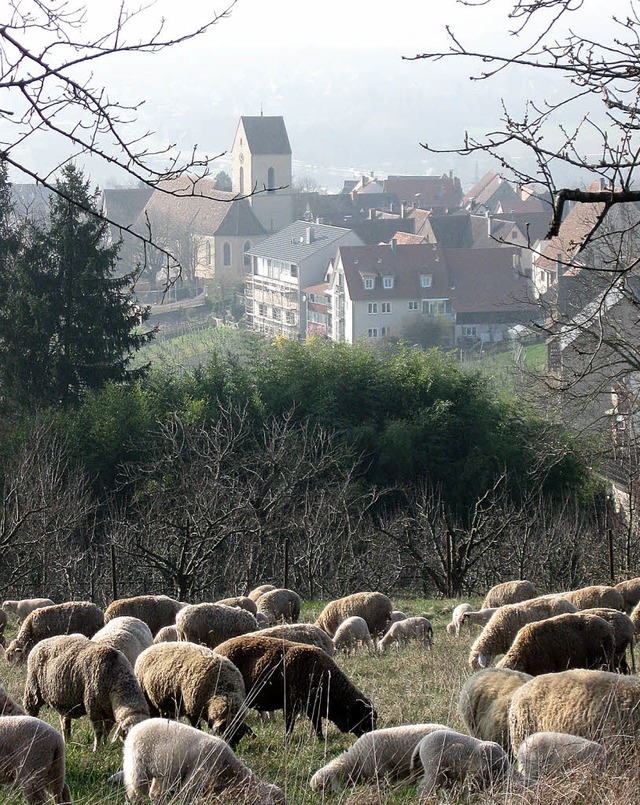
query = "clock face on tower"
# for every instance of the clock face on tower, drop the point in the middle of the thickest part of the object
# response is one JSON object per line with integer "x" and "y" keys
{"x": 241, "y": 157}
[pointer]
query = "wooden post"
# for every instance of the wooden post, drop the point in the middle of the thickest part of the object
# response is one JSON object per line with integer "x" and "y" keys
{"x": 114, "y": 575}
{"x": 286, "y": 563}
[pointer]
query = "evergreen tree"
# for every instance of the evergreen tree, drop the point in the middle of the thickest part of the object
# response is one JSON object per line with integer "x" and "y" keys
{"x": 67, "y": 323}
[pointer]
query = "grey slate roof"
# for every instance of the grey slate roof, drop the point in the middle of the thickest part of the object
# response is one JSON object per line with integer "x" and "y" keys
{"x": 289, "y": 244}
{"x": 266, "y": 135}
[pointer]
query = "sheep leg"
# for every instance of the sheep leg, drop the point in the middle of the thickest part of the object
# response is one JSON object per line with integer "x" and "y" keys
{"x": 34, "y": 792}
{"x": 63, "y": 797}
{"x": 65, "y": 726}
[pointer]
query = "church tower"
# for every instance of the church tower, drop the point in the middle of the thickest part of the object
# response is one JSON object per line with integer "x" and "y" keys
{"x": 261, "y": 169}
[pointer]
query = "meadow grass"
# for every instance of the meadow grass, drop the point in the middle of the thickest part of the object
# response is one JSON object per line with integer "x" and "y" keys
{"x": 416, "y": 685}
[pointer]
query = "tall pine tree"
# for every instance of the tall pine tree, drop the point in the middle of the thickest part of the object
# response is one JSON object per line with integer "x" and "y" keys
{"x": 67, "y": 322}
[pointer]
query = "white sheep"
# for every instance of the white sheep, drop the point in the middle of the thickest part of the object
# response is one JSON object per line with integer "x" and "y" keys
{"x": 630, "y": 591}
{"x": 168, "y": 634}
{"x": 401, "y": 632}
{"x": 382, "y": 756}
{"x": 185, "y": 679}
{"x": 597, "y": 705}
{"x": 480, "y": 617}
{"x": 211, "y": 624}
{"x": 261, "y": 590}
{"x": 351, "y": 633}
{"x": 396, "y": 615}
{"x": 307, "y": 633}
{"x": 165, "y": 759}
{"x": 25, "y": 606}
{"x": 509, "y": 592}
{"x": 32, "y": 756}
{"x": 450, "y": 759}
{"x": 280, "y": 606}
{"x": 551, "y": 753}
{"x": 457, "y": 615}
{"x": 484, "y": 703}
{"x": 129, "y": 635}
{"x": 74, "y": 676}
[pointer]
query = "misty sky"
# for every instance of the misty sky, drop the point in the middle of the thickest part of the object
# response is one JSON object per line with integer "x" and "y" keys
{"x": 334, "y": 71}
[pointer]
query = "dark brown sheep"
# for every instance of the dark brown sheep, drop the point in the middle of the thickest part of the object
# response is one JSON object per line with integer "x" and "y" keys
{"x": 302, "y": 680}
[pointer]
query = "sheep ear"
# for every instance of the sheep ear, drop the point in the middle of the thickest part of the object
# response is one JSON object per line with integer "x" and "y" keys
{"x": 482, "y": 661}
{"x": 117, "y": 734}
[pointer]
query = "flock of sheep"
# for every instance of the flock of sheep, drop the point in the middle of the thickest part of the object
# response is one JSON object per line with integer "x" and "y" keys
{"x": 561, "y": 688}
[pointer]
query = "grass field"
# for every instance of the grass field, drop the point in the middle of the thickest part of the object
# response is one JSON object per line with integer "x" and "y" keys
{"x": 408, "y": 687}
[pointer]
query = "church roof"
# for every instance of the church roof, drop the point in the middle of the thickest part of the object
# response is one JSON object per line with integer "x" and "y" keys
{"x": 266, "y": 135}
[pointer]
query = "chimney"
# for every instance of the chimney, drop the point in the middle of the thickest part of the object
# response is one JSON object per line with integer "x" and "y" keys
{"x": 403, "y": 210}
{"x": 393, "y": 243}
{"x": 488, "y": 217}
{"x": 308, "y": 235}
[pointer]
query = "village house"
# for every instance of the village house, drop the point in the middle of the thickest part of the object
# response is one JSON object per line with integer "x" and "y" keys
{"x": 280, "y": 267}
{"x": 471, "y": 293}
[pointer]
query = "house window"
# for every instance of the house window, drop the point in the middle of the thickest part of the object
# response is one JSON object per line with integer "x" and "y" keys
{"x": 290, "y": 317}
{"x": 387, "y": 282}
{"x": 226, "y": 254}
{"x": 426, "y": 280}
{"x": 373, "y": 307}
{"x": 271, "y": 180}
{"x": 368, "y": 283}
{"x": 262, "y": 310}
{"x": 373, "y": 332}
{"x": 208, "y": 252}
{"x": 469, "y": 331}
{"x": 277, "y": 313}
{"x": 414, "y": 306}
{"x": 294, "y": 271}
{"x": 435, "y": 307}
{"x": 241, "y": 181}
{"x": 386, "y": 307}
{"x": 247, "y": 257}
{"x": 385, "y": 331}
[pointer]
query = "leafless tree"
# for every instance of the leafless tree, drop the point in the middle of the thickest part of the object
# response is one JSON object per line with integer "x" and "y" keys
{"x": 46, "y": 520}
{"x": 595, "y": 98}
{"x": 48, "y": 57}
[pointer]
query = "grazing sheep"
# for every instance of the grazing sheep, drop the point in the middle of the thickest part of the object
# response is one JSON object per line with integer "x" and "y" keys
{"x": 155, "y": 610}
{"x": 630, "y": 592}
{"x": 566, "y": 641}
{"x": 26, "y": 606}
{"x": 375, "y": 608}
{"x": 624, "y": 633}
{"x": 551, "y": 753}
{"x": 32, "y": 756}
{"x": 635, "y": 617}
{"x": 300, "y": 679}
{"x": 597, "y": 705}
{"x": 210, "y": 624}
{"x": 484, "y": 703}
{"x": 381, "y": 756}
{"x": 167, "y": 760}
{"x": 480, "y": 617}
{"x": 351, "y": 633}
{"x": 242, "y": 601}
{"x": 258, "y": 591}
{"x": 598, "y": 595}
{"x": 168, "y": 634}
{"x": 307, "y": 633}
{"x": 184, "y": 679}
{"x": 451, "y": 759}
{"x": 73, "y": 617}
{"x": 457, "y": 616}
{"x": 396, "y": 616}
{"x": 509, "y": 592}
{"x": 498, "y": 635}
{"x": 415, "y": 628}
{"x": 76, "y": 676}
{"x": 280, "y": 606}
{"x": 129, "y": 635}
{"x": 7, "y": 706}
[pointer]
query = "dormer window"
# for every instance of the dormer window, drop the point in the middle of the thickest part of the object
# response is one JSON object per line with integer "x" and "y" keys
{"x": 387, "y": 282}
{"x": 368, "y": 283}
{"x": 426, "y": 280}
